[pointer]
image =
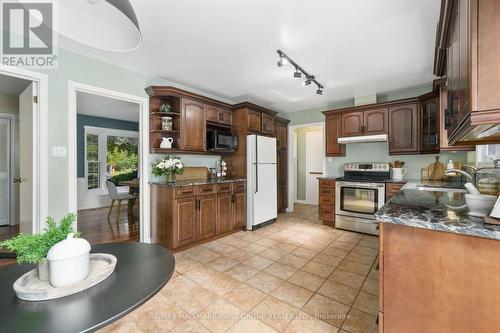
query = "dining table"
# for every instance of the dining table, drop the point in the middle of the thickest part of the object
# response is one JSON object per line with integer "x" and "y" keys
{"x": 133, "y": 188}
{"x": 141, "y": 271}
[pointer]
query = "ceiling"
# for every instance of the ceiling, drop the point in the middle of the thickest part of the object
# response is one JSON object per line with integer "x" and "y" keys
{"x": 10, "y": 85}
{"x": 106, "y": 107}
{"x": 228, "y": 48}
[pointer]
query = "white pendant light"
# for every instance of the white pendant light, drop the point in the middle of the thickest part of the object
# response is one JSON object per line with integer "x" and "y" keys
{"x": 109, "y": 25}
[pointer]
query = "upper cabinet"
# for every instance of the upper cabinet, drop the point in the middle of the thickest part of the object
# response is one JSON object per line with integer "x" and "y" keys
{"x": 267, "y": 124}
{"x": 352, "y": 124}
{"x": 254, "y": 121}
{"x": 375, "y": 121}
{"x": 333, "y": 127}
{"x": 367, "y": 122}
{"x": 467, "y": 45}
{"x": 218, "y": 115}
{"x": 192, "y": 125}
{"x": 429, "y": 123}
{"x": 403, "y": 129}
{"x": 281, "y": 133}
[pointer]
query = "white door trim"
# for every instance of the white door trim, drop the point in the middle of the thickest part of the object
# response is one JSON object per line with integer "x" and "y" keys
{"x": 292, "y": 179}
{"x": 308, "y": 134}
{"x": 73, "y": 88}
{"x": 12, "y": 165}
{"x": 40, "y": 147}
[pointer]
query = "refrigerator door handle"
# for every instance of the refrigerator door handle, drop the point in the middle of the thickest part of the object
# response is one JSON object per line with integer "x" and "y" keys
{"x": 256, "y": 164}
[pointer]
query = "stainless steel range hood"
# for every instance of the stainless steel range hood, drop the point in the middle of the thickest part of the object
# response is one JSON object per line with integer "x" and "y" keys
{"x": 363, "y": 138}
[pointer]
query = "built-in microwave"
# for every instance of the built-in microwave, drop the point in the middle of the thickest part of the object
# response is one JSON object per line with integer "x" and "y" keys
{"x": 222, "y": 141}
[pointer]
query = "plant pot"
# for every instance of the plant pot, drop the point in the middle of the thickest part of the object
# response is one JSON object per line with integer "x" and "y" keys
{"x": 170, "y": 177}
{"x": 43, "y": 270}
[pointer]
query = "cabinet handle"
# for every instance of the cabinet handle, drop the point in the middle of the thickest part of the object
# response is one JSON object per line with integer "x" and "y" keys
{"x": 198, "y": 204}
{"x": 233, "y": 198}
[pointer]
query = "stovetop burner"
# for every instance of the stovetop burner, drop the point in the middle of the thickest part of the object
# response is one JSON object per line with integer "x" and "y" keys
{"x": 366, "y": 172}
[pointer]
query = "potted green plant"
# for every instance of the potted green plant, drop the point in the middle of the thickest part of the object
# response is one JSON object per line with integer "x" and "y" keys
{"x": 33, "y": 249}
{"x": 168, "y": 167}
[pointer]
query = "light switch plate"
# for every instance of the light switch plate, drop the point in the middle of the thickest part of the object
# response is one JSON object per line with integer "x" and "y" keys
{"x": 59, "y": 151}
{"x": 330, "y": 159}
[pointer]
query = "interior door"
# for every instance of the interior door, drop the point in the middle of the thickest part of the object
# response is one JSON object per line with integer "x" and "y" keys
{"x": 5, "y": 171}
{"x": 27, "y": 108}
{"x": 314, "y": 165}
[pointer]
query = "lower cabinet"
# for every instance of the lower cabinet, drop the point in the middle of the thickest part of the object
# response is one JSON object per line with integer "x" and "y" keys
{"x": 224, "y": 212}
{"x": 187, "y": 215}
{"x": 327, "y": 201}
{"x": 207, "y": 216}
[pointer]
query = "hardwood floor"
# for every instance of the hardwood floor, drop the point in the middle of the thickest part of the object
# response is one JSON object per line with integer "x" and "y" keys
{"x": 94, "y": 226}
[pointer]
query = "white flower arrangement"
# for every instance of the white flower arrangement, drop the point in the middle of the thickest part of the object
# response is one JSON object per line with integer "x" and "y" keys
{"x": 170, "y": 165}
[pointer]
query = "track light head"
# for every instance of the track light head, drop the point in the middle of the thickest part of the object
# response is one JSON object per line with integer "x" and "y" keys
{"x": 319, "y": 91}
{"x": 282, "y": 61}
{"x": 297, "y": 73}
{"x": 308, "y": 80}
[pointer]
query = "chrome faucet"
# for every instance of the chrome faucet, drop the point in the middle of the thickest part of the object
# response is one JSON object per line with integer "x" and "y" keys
{"x": 468, "y": 176}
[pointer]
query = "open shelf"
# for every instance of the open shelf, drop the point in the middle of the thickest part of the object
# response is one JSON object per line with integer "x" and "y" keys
{"x": 165, "y": 114}
{"x": 164, "y": 131}
{"x": 153, "y": 150}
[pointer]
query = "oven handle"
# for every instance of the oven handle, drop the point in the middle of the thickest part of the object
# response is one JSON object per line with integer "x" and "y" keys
{"x": 360, "y": 185}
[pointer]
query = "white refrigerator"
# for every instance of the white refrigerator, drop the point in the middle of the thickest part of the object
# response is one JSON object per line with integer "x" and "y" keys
{"x": 262, "y": 194}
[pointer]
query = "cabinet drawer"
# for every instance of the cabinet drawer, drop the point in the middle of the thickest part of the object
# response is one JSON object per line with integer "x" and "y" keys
{"x": 184, "y": 192}
{"x": 221, "y": 188}
{"x": 327, "y": 192}
{"x": 239, "y": 186}
{"x": 329, "y": 200}
{"x": 327, "y": 212}
{"x": 205, "y": 189}
{"x": 326, "y": 183}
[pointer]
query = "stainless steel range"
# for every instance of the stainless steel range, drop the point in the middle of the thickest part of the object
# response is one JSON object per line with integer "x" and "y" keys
{"x": 359, "y": 194}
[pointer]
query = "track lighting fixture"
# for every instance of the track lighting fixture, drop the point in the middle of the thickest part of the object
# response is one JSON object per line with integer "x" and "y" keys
{"x": 284, "y": 59}
{"x": 297, "y": 74}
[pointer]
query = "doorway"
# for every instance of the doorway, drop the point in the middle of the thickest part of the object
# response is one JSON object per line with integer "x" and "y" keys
{"x": 108, "y": 155}
{"x": 18, "y": 108}
{"x": 308, "y": 163}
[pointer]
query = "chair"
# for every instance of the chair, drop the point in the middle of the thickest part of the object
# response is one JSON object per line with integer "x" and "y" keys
{"x": 115, "y": 196}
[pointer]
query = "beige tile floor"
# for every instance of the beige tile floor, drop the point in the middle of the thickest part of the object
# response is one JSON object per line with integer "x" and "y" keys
{"x": 295, "y": 275}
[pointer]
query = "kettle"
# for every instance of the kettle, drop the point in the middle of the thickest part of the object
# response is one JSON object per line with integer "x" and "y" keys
{"x": 166, "y": 143}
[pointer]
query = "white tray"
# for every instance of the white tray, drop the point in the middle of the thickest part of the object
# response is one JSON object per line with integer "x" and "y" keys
{"x": 30, "y": 288}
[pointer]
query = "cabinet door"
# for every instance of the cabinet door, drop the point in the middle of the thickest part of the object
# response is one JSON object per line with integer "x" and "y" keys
{"x": 282, "y": 181}
{"x": 267, "y": 124}
{"x": 281, "y": 135}
{"x": 333, "y": 129}
{"x": 253, "y": 121}
{"x": 212, "y": 113}
{"x": 375, "y": 121}
{"x": 239, "y": 209}
{"x": 429, "y": 125}
{"x": 403, "y": 129}
{"x": 352, "y": 123}
{"x": 207, "y": 216}
{"x": 224, "y": 212}
{"x": 226, "y": 117}
{"x": 185, "y": 217}
{"x": 192, "y": 125}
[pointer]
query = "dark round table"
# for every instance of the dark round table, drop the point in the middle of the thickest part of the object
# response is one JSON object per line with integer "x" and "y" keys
{"x": 141, "y": 271}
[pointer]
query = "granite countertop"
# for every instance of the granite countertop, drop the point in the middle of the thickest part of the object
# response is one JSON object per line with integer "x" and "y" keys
{"x": 434, "y": 210}
{"x": 192, "y": 182}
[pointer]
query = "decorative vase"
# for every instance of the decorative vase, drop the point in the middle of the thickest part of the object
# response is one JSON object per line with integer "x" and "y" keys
{"x": 170, "y": 177}
{"x": 43, "y": 270}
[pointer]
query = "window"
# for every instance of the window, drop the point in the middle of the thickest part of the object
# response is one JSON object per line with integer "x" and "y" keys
{"x": 93, "y": 162}
{"x": 486, "y": 154}
{"x": 109, "y": 153}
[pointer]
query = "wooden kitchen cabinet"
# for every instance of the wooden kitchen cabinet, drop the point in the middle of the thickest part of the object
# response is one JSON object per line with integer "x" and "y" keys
{"x": 333, "y": 127}
{"x": 267, "y": 124}
{"x": 185, "y": 221}
{"x": 429, "y": 123}
{"x": 254, "y": 120}
{"x": 326, "y": 208}
{"x": 225, "y": 212}
{"x": 239, "y": 210}
{"x": 392, "y": 189}
{"x": 403, "y": 129}
{"x": 282, "y": 180}
{"x": 375, "y": 121}
{"x": 193, "y": 127}
{"x": 281, "y": 135}
{"x": 207, "y": 216}
{"x": 183, "y": 216}
{"x": 424, "y": 286}
{"x": 352, "y": 123}
{"x": 218, "y": 115}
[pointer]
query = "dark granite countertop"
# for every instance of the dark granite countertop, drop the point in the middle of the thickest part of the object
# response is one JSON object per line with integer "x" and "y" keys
{"x": 192, "y": 182}
{"x": 434, "y": 210}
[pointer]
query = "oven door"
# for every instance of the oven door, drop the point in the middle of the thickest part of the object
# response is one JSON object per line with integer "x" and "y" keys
{"x": 359, "y": 199}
